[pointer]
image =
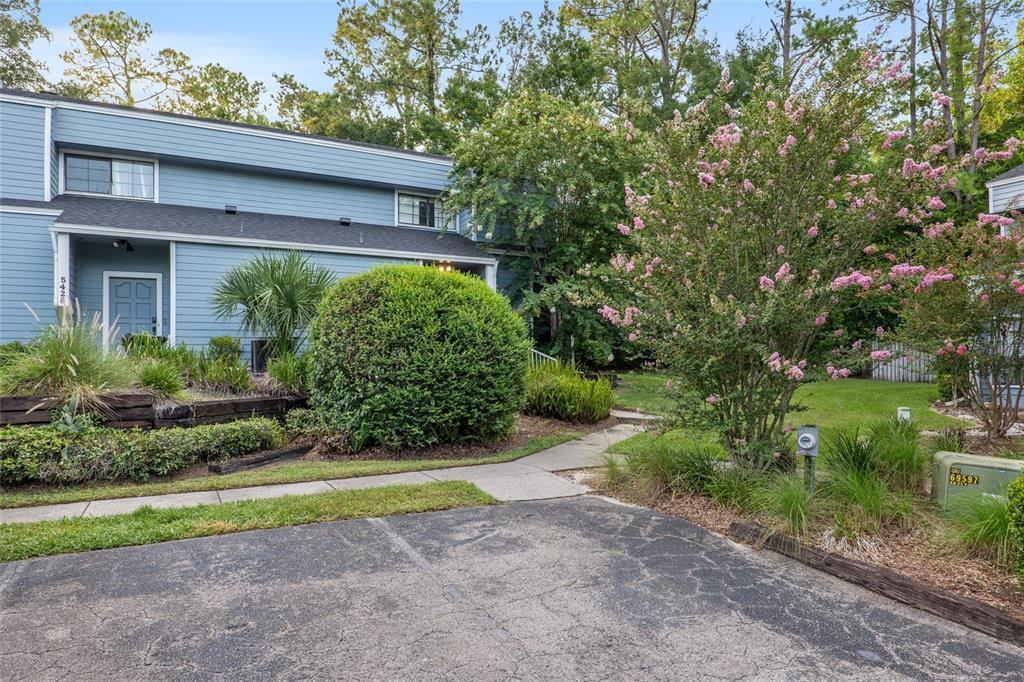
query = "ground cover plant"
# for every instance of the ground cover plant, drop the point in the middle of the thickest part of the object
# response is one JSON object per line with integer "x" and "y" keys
{"x": 85, "y": 452}
{"x": 412, "y": 356}
{"x": 148, "y": 525}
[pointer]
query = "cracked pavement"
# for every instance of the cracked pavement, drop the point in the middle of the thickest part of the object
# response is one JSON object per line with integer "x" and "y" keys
{"x": 567, "y": 589}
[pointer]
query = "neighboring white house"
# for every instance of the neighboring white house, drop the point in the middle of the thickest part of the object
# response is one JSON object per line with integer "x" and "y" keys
{"x": 1006, "y": 191}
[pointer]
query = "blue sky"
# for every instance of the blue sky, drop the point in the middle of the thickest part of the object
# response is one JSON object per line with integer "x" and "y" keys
{"x": 262, "y": 37}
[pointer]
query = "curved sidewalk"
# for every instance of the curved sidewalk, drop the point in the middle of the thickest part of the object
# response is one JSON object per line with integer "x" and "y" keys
{"x": 529, "y": 478}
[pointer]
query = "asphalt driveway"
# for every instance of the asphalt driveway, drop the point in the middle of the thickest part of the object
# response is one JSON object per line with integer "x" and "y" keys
{"x": 568, "y": 589}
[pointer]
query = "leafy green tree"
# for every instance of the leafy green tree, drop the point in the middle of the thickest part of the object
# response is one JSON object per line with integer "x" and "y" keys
{"x": 19, "y": 28}
{"x": 543, "y": 177}
{"x": 275, "y": 296}
{"x": 214, "y": 91}
{"x": 397, "y": 56}
{"x": 111, "y": 58}
{"x": 645, "y": 44}
{"x": 332, "y": 114}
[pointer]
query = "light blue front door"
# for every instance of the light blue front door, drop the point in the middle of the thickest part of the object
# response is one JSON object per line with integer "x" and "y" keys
{"x": 132, "y": 306}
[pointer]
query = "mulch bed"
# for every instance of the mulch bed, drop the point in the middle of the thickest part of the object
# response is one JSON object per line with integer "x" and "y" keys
{"x": 527, "y": 428}
{"x": 911, "y": 551}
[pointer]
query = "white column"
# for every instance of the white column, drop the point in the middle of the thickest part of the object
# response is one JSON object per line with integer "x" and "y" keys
{"x": 62, "y": 271}
{"x": 173, "y": 314}
{"x": 47, "y": 159}
{"x": 491, "y": 276}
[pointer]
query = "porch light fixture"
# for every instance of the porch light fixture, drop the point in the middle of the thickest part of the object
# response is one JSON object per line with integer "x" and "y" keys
{"x": 123, "y": 243}
{"x": 444, "y": 266}
{"x": 230, "y": 210}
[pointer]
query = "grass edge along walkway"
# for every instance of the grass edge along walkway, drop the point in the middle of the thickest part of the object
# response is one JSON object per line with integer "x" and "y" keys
{"x": 289, "y": 472}
{"x": 148, "y": 525}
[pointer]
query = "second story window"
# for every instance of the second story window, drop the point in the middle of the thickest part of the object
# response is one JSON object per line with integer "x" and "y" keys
{"x": 418, "y": 211}
{"x": 113, "y": 177}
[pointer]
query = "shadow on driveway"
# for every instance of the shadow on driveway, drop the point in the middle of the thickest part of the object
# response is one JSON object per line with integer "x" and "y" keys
{"x": 567, "y": 589}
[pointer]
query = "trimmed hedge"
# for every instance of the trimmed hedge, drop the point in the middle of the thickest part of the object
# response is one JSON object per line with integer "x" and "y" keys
{"x": 51, "y": 454}
{"x": 557, "y": 390}
{"x": 408, "y": 356}
{"x": 1015, "y": 494}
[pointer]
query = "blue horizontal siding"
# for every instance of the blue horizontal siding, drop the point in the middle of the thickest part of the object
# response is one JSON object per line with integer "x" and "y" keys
{"x": 21, "y": 151}
{"x": 1010, "y": 195}
{"x": 26, "y": 275}
{"x": 199, "y": 267}
{"x": 214, "y": 188}
{"x": 91, "y": 259}
{"x": 179, "y": 140}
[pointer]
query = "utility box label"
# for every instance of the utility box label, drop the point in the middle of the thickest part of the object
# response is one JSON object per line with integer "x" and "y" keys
{"x": 957, "y": 477}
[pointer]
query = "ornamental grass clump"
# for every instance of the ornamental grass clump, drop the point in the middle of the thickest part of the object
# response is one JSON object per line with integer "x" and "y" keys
{"x": 984, "y": 528}
{"x": 756, "y": 233}
{"x": 409, "y": 356}
{"x": 68, "y": 361}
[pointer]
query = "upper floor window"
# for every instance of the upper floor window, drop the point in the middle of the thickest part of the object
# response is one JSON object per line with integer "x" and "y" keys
{"x": 418, "y": 211}
{"x": 114, "y": 177}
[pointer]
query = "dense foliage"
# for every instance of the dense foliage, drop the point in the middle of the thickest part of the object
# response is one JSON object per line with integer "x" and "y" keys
{"x": 411, "y": 356}
{"x": 557, "y": 390}
{"x": 54, "y": 454}
{"x": 1015, "y": 495}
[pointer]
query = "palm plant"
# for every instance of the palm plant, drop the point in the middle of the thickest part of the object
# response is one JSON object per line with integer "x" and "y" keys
{"x": 276, "y": 296}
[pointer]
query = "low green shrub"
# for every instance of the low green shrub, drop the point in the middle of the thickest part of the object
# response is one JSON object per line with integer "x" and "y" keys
{"x": 143, "y": 344}
{"x": 901, "y": 460}
{"x": 223, "y": 373}
{"x": 51, "y": 454}
{"x": 984, "y": 528}
{"x": 289, "y": 370}
{"x": 68, "y": 361}
{"x": 408, "y": 356}
{"x": 309, "y": 425}
{"x": 950, "y": 440}
{"x": 1015, "y": 506}
{"x": 225, "y": 347}
{"x": 789, "y": 499}
{"x": 862, "y": 501}
{"x": 162, "y": 377}
{"x": 557, "y": 390}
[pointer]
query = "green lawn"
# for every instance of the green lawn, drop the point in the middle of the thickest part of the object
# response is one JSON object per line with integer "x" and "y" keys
{"x": 829, "y": 404}
{"x": 148, "y": 525}
{"x": 291, "y": 472}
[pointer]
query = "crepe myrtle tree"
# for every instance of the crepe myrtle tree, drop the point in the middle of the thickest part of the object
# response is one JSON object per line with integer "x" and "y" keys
{"x": 963, "y": 300}
{"x": 751, "y": 236}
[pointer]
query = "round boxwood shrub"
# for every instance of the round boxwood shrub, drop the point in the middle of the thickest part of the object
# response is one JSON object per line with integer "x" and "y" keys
{"x": 411, "y": 356}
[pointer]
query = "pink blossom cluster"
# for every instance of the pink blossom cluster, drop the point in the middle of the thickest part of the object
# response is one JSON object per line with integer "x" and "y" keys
{"x": 994, "y": 219}
{"x": 890, "y": 137}
{"x": 855, "y": 278}
{"x": 726, "y": 136}
{"x": 881, "y": 355}
{"x": 836, "y": 374}
{"x": 933, "y": 277}
{"x": 706, "y": 179}
{"x": 784, "y": 275}
{"x": 786, "y": 145}
{"x": 933, "y": 231}
{"x": 905, "y": 270}
{"x": 766, "y": 283}
{"x": 960, "y": 349}
{"x": 794, "y": 371}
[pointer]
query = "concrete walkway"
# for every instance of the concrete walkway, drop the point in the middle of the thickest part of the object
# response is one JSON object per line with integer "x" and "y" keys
{"x": 529, "y": 478}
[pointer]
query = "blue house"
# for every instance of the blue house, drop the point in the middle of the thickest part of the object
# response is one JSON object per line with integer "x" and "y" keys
{"x": 135, "y": 214}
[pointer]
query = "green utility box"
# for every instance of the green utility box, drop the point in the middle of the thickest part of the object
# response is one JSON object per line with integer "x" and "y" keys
{"x": 955, "y": 474}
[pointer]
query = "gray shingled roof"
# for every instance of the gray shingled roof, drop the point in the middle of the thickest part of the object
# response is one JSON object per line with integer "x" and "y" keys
{"x": 210, "y": 222}
{"x": 53, "y": 97}
{"x": 1017, "y": 172}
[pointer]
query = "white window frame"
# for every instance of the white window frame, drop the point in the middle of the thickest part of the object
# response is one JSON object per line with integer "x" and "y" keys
{"x": 438, "y": 212}
{"x": 112, "y": 157}
{"x": 107, "y": 275}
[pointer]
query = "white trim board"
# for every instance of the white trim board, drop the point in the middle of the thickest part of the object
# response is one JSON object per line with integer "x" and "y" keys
{"x": 223, "y": 127}
{"x": 1005, "y": 181}
{"x": 263, "y": 243}
{"x": 158, "y": 276}
{"x": 172, "y": 315}
{"x": 47, "y": 158}
{"x": 30, "y": 210}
